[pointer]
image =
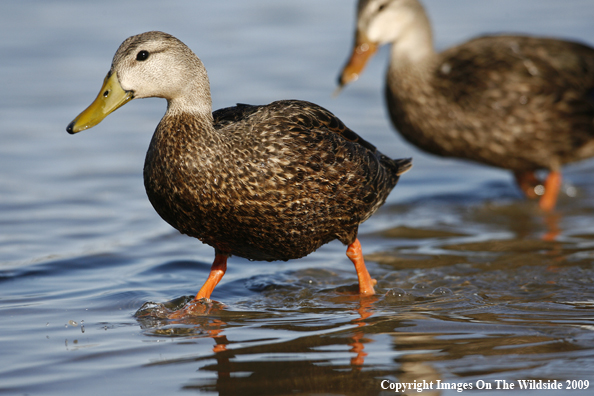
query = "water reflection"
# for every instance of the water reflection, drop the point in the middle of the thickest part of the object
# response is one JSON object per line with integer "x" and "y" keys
{"x": 358, "y": 340}
{"x": 507, "y": 315}
{"x": 310, "y": 361}
{"x": 476, "y": 340}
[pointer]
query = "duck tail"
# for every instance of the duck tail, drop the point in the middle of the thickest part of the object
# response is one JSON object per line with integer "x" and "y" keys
{"x": 401, "y": 165}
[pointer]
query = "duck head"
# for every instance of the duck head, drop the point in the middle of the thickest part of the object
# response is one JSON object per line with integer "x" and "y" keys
{"x": 151, "y": 64}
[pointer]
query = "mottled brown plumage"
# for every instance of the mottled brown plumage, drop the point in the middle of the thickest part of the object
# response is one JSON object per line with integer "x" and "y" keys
{"x": 514, "y": 102}
{"x": 271, "y": 182}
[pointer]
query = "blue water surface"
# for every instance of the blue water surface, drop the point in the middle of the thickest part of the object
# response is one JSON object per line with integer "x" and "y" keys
{"x": 475, "y": 283}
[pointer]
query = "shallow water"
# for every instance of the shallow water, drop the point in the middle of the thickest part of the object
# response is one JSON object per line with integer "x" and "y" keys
{"x": 476, "y": 285}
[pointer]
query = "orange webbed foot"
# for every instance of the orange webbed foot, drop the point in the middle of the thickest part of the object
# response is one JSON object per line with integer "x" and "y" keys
{"x": 196, "y": 307}
{"x": 202, "y": 303}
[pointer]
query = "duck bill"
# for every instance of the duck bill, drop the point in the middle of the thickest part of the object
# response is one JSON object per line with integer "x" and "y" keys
{"x": 111, "y": 97}
{"x": 363, "y": 50}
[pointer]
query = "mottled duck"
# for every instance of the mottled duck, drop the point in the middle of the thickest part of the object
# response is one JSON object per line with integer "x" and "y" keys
{"x": 514, "y": 102}
{"x": 272, "y": 182}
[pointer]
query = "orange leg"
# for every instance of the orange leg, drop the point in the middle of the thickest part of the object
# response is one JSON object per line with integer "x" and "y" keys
{"x": 527, "y": 181}
{"x": 365, "y": 282}
{"x": 218, "y": 269}
{"x": 195, "y": 307}
{"x": 552, "y": 186}
{"x": 552, "y": 223}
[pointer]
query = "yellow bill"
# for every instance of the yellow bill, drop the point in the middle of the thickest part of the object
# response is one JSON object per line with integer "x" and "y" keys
{"x": 363, "y": 50}
{"x": 110, "y": 98}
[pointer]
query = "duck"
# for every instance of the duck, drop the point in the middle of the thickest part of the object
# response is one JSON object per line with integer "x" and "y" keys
{"x": 263, "y": 182}
{"x": 521, "y": 103}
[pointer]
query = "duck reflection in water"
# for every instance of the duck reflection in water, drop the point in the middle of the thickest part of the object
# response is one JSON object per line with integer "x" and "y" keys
{"x": 311, "y": 372}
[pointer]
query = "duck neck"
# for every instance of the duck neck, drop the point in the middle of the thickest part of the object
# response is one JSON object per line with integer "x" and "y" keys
{"x": 195, "y": 102}
{"x": 414, "y": 46}
{"x": 192, "y": 93}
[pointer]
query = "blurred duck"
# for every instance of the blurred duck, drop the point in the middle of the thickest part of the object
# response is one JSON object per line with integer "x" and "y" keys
{"x": 513, "y": 102}
{"x": 271, "y": 182}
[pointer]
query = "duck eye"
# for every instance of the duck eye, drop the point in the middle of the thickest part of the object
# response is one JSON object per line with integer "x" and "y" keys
{"x": 142, "y": 55}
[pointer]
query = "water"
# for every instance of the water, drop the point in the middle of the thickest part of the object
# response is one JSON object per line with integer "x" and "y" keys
{"x": 477, "y": 286}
